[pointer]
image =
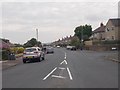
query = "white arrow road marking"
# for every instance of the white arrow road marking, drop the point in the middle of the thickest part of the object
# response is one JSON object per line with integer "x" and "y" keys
{"x": 63, "y": 62}
{"x": 58, "y": 76}
{"x": 49, "y": 74}
{"x": 69, "y": 74}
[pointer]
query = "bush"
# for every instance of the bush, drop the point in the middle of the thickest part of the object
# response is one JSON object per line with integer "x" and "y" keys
{"x": 4, "y": 54}
{"x": 17, "y": 50}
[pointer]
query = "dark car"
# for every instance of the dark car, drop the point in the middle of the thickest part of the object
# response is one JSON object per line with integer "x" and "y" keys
{"x": 73, "y": 48}
{"x": 49, "y": 50}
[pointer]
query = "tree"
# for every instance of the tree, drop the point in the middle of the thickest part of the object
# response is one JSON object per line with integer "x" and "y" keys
{"x": 83, "y": 32}
{"x": 32, "y": 42}
{"x": 75, "y": 42}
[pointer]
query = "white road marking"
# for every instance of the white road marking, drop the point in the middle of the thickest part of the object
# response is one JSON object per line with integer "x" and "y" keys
{"x": 65, "y": 54}
{"x": 49, "y": 74}
{"x": 61, "y": 68}
{"x": 69, "y": 74}
{"x": 63, "y": 62}
{"x": 58, "y": 76}
{"x": 65, "y": 57}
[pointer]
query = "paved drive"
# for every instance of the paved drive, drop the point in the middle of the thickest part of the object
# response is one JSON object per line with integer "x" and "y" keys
{"x": 64, "y": 69}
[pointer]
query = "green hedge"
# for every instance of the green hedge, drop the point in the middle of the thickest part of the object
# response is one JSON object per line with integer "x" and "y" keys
{"x": 4, "y": 54}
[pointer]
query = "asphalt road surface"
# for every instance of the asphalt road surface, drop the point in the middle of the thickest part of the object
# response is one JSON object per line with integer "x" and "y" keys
{"x": 64, "y": 69}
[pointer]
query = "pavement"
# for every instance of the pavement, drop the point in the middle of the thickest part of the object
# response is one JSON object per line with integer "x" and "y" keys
{"x": 10, "y": 63}
{"x": 64, "y": 69}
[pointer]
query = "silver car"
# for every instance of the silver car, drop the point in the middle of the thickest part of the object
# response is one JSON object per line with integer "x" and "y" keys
{"x": 49, "y": 50}
{"x": 33, "y": 54}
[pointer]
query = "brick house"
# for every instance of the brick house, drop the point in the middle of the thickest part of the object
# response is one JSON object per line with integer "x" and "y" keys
{"x": 111, "y": 30}
{"x": 64, "y": 41}
{"x": 99, "y": 33}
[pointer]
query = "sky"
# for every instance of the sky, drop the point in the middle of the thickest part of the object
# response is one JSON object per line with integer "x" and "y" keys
{"x": 53, "y": 20}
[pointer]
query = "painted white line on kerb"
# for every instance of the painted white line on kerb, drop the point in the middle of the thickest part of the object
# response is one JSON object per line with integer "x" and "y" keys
{"x": 49, "y": 74}
{"x": 69, "y": 74}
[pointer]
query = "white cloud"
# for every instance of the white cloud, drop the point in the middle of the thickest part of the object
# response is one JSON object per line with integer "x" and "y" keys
{"x": 55, "y": 18}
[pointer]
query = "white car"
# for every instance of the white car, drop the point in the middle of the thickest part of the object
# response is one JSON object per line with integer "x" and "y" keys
{"x": 58, "y": 46}
{"x": 33, "y": 54}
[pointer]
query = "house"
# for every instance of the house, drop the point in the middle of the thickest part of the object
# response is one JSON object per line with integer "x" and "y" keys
{"x": 64, "y": 41}
{"x": 5, "y": 43}
{"x": 99, "y": 33}
{"x": 112, "y": 28}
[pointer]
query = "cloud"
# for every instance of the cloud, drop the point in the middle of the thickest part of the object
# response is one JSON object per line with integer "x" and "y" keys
{"x": 54, "y": 19}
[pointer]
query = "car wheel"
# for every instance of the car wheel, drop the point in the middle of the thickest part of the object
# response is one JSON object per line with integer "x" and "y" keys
{"x": 24, "y": 61}
{"x": 43, "y": 58}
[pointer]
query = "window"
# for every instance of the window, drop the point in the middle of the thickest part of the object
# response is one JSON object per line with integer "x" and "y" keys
{"x": 113, "y": 38}
{"x": 112, "y": 28}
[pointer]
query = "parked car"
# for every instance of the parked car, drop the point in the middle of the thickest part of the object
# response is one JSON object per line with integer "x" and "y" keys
{"x": 58, "y": 46}
{"x": 49, "y": 50}
{"x": 33, "y": 54}
{"x": 71, "y": 48}
{"x": 68, "y": 47}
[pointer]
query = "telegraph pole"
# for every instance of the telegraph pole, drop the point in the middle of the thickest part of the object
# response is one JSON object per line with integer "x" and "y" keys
{"x": 82, "y": 38}
{"x": 37, "y": 36}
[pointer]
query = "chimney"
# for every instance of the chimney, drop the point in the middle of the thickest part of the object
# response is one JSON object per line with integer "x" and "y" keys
{"x": 101, "y": 24}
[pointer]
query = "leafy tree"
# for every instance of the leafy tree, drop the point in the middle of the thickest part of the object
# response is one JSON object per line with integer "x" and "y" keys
{"x": 84, "y": 32}
{"x": 75, "y": 42}
{"x": 32, "y": 42}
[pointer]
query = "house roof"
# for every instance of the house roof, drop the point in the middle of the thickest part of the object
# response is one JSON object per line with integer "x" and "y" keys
{"x": 4, "y": 44}
{"x": 115, "y": 22}
{"x": 99, "y": 29}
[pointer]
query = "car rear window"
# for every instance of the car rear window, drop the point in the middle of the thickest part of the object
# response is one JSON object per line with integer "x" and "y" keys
{"x": 30, "y": 50}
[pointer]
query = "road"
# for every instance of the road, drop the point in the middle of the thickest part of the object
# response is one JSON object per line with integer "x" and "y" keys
{"x": 64, "y": 69}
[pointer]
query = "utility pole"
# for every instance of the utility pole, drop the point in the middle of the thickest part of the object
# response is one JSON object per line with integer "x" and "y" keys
{"x": 37, "y": 36}
{"x": 82, "y": 38}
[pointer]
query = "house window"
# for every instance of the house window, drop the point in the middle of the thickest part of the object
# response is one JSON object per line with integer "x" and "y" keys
{"x": 113, "y": 37}
{"x": 112, "y": 28}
